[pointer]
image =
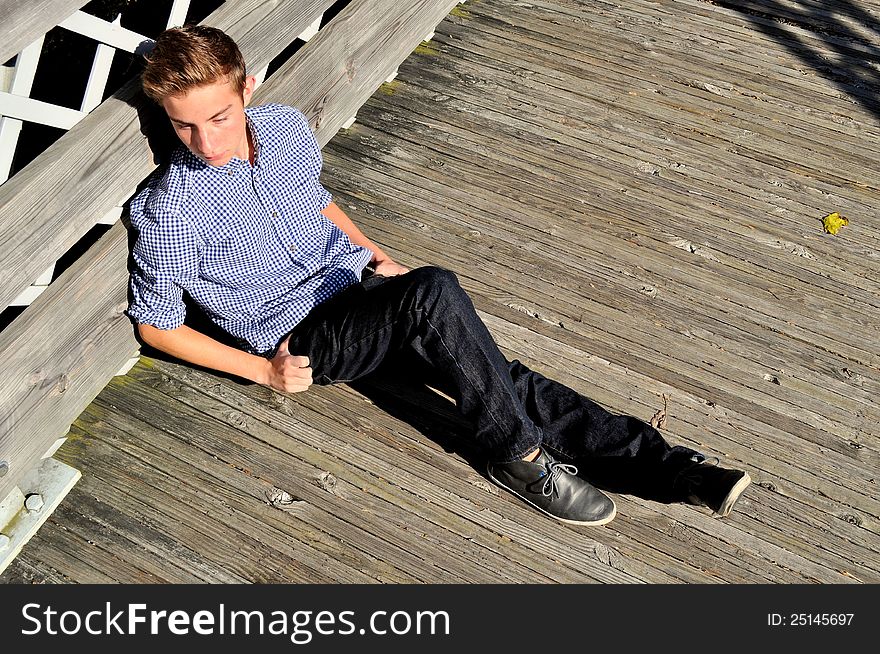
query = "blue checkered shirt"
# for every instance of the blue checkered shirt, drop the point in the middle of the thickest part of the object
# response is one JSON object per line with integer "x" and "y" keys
{"x": 248, "y": 244}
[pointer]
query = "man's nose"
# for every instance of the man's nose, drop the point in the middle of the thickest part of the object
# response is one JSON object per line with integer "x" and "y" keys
{"x": 203, "y": 142}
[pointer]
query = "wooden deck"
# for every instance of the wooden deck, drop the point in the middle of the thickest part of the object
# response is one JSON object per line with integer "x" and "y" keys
{"x": 633, "y": 195}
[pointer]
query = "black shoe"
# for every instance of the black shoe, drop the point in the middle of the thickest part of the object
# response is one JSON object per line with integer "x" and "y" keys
{"x": 708, "y": 484}
{"x": 552, "y": 488}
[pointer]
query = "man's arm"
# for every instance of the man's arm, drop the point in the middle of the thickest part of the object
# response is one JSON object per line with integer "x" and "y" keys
{"x": 283, "y": 372}
{"x": 381, "y": 262}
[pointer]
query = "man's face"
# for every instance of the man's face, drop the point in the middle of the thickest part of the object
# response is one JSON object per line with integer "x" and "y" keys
{"x": 210, "y": 120}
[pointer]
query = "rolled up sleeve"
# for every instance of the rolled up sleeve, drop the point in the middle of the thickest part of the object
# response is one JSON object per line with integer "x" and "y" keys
{"x": 166, "y": 257}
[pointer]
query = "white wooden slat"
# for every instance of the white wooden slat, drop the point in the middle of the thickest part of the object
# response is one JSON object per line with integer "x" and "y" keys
{"x": 26, "y": 68}
{"x": 98, "y": 75}
{"x": 111, "y": 216}
{"x": 311, "y": 30}
{"x": 10, "y": 128}
{"x": 33, "y": 291}
{"x": 24, "y": 22}
{"x": 110, "y": 33}
{"x": 21, "y": 83}
{"x": 37, "y": 111}
{"x": 46, "y": 278}
{"x": 179, "y": 10}
{"x": 27, "y": 296}
{"x": 128, "y": 366}
{"x": 261, "y": 76}
{"x": 6, "y": 73}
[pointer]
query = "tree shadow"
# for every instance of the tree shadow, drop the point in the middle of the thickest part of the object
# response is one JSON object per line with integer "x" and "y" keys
{"x": 854, "y": 72}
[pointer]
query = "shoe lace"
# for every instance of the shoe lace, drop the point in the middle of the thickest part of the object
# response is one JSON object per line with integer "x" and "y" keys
{"x": 554, "y": 470}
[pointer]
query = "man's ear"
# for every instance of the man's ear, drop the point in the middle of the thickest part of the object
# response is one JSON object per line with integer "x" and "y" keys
{"x": 250, "y": 83}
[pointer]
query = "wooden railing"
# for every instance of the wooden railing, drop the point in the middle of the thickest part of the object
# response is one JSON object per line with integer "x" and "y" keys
{"x": 67, "y": 344}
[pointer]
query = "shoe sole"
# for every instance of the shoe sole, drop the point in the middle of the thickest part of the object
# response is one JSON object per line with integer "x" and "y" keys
{"x": 589, "y": 523}
{"x": 733, "y": 496}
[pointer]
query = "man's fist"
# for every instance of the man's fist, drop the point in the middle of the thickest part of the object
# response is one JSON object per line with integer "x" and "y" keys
{"x": 387, "y": 268}
{"x": 287, "y": 372}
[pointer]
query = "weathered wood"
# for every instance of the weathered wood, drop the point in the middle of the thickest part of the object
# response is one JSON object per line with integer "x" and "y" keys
{"x": 516, "y": 165}
{"x": 209, "y": 518}
{"x": 24, "y": 22}
{"x": 576, "y": 321}
{"x": 361, "y": 47}
{"x": 357, "y": 464}
{"x": 55, "y": 366}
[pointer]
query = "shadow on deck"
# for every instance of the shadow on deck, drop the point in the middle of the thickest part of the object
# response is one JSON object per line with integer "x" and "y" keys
{"x": 633, "y": 196}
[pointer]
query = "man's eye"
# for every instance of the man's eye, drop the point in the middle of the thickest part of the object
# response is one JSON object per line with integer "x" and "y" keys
{"x": 220, "y": 120}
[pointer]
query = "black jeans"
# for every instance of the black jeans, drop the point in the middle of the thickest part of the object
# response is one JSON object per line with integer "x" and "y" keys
{"x": 426, "y": 313}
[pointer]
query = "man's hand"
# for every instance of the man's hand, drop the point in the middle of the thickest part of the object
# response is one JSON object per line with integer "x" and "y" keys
{"x": 289, "y": 373}
{"x": 387, "y": 268}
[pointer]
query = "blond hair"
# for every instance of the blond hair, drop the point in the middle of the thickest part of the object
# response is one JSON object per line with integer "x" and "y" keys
{"x": 191, "y": 56}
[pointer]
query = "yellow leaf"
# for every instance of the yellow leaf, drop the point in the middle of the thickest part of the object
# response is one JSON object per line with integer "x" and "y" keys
{"x": 833, "y": 222}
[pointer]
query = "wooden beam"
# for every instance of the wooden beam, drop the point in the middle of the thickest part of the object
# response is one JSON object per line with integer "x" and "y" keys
{"x": 97, "y": 164}
{"x": 25, "y": 22}
{"x": 334, "y": 74}
{"x": 89, "y": 171}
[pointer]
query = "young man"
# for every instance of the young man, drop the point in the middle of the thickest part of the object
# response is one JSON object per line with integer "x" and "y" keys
{"x": 240, "y": 222}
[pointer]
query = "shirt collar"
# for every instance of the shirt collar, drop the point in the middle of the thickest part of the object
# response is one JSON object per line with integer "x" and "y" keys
{"x": 235, "y": 164}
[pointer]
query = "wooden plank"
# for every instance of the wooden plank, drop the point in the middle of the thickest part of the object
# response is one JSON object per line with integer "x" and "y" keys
{"x": 632, "y": 75}
{"x": 846, "y": 21}
{"x": 31, "y": 570}
{"x": 54, "y": 373}
{"x": 157, "y": 556}
{"x": 429, "y": 475}
{"x": 544, "y": 268}
{"x": 527, "y": 146}
{"x": 97, "y": 164}
{"x": 471, "y": 171}
{"x": 101, "y": 159}
{"x": 467, "y": 549}
{"x": 418, "y": 183}
{"x": 739, "y": 243}
{"x": 25, "y": 22}
{"x": 332, "y": 76}
{"x": 213, "y": 522}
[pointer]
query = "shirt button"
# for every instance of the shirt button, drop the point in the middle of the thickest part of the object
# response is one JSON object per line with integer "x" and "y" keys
{"x": 230, "y": 173}
{"x": 274, "y": 214}
{"x": 293, "y": 247}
